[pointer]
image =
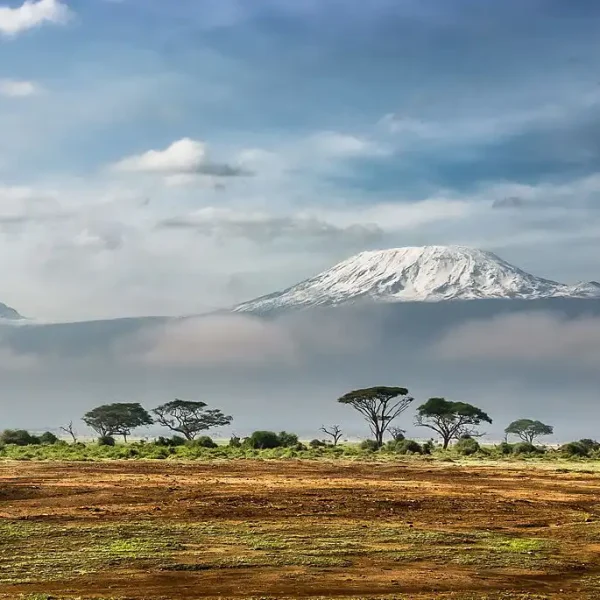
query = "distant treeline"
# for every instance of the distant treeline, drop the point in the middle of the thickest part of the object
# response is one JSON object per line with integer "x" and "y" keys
{"x": 454, "y": 423}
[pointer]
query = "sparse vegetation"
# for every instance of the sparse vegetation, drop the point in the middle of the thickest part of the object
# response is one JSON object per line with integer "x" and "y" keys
{"x": 212, "y": 525}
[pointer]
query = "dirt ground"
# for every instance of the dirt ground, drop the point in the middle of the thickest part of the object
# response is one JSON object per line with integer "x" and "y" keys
{"x": 288, "y": 529}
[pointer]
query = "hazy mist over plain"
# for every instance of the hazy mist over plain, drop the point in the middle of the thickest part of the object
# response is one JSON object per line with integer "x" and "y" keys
{"x": 513, "y": 358}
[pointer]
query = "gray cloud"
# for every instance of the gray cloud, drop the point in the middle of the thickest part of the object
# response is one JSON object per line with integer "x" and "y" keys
{"x": 239, "y": 340}
{"x": 510, "y": 202}
{"x": 264, "y": 228}
{"x": 536, "y": 338}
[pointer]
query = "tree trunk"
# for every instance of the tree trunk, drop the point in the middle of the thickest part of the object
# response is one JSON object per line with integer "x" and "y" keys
{"x": 125, "y": 438}
{"x": 446, "y": 442}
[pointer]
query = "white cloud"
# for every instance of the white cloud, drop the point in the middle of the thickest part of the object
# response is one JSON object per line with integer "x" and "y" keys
{"x": 185, "y": 157}
{"x": 344, "y": 145}
{"x": 32, "y": 14}
{"x": 17, "y": 89}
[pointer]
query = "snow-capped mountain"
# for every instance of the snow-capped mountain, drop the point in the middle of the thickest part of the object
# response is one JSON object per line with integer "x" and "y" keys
{"x": 8, "y": 313}
{"x": 419, "y": 274}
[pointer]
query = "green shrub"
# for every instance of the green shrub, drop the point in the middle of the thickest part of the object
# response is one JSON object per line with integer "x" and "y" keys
{"x": 369, "y": 445}
{"x": 48, "y": 438}
{"x": 505, "y": 448}
{"x": 428, "y": 447}
{"x": 288, "y": 440}
{"x": 263, "y": 440}
{"x": 467, "y": 446}
{"x": 106, "y": 440}
{"x": 590, "y": 445}
{"x": 160, "y": 453}
{"x": 408, "y": 447}
{"x": 573, "y": 449}
{"x": 205, "y": 441}
{"x": 235, "y": 442}
{"x": 525, "y": 448}
{"x": 172, "y": 442}
{"x": 18, "y": 437}
{"x": 317, "y": 444}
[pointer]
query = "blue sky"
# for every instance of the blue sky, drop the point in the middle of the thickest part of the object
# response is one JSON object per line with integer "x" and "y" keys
{"x": 169, "y": 157}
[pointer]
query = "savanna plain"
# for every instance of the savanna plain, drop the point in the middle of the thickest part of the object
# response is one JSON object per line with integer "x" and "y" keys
{"x": 411, "y": 528}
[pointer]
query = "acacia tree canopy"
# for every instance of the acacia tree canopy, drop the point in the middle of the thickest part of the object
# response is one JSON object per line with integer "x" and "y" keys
{"x": 117, "y": 419}
{"x": 379, "y": 406}
{"x": 189, "y": 418}
{"x": 527, "y": 429}
{"x": 451, "y": 420}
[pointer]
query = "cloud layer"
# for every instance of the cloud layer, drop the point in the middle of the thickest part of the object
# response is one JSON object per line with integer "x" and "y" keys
{"x": 539, "y": 338}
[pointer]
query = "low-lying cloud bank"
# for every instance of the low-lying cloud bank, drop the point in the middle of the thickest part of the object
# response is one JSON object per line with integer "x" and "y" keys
{"x": 533, "y": 338}
{"x": 246, "y": 341}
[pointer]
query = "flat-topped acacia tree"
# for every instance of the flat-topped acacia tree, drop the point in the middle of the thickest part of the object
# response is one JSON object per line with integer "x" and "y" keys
{"x": 189, "y": 418}
{"x": 117, "y": 419}
{"x": 451, "y": 420}
{"x": 379, "y": 406}
{"x": 528, "y": 430}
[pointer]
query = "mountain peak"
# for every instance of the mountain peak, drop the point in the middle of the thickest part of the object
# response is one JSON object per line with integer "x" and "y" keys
{"x": 418, "y": 274}
{"x": 6, "y": 312}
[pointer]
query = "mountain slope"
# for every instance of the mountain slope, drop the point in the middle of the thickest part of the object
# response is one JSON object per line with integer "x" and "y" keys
{"x": 8, "y": 313}
{"x": 418, "y": 274}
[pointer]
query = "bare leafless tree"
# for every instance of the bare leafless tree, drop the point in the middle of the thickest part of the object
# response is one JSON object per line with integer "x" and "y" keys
{"x": 70, "y": 430}
{"x": 334, "y": 432}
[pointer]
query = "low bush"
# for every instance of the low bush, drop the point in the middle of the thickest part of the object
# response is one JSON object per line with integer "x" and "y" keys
{"x": 574, "y": 449}
{"x": 205, "y": 441}
{"x": 235, "y": 442}
{"x": 263, "y": 440}
{"x": 369, "y": 445}
{"x": 172, "y": 442}
{"x": 18, "y": 437}
{"x": 48, "y": 438}
{"x": 467, "y": 446}
{"x": 428, "y": 447}
{"x": 590, "y": 445}
{"x": 408, "y": 447}
{"x": 317, "y": 444}
{"x": 288, "y": 440}
{"x": 106, "y": 440}
{"x": 525, "y": 448}
{"x": 505, "y": 448}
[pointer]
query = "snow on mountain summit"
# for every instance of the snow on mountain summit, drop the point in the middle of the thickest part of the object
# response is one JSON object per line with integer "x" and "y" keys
{"x": 418, "y": 274}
